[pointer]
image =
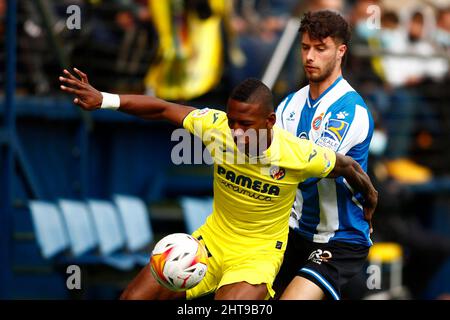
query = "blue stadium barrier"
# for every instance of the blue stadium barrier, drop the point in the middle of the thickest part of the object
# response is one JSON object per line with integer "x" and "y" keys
{"x": 195, "y": 211}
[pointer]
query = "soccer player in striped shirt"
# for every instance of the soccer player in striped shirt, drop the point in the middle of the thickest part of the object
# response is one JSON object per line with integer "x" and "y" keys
{"x": 329, "y": 236}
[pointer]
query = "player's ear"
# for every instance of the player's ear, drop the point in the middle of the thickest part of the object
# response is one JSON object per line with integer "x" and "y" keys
{"x": 342, "y": 49}
{"x": 271, "y": 119}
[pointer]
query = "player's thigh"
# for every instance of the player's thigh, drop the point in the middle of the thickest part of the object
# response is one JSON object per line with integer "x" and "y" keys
{"x": 302, "y": 289}
{"x": 257, "y": 268}
{"x": 145, "y": 287}
{"x": 242, "y": 291}
{"x": 295, "y": 256}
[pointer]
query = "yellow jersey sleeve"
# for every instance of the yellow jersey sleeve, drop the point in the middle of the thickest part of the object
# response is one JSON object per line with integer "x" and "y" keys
{"x": 318, "y": 161}
{"x": 199, "y": 121}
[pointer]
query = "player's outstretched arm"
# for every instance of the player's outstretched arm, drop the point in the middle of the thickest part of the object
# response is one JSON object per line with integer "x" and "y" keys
{"x": 359, "y": 180}
{"x": 146, "y": 107}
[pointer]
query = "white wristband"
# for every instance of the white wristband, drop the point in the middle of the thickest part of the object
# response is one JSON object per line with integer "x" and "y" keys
{"x": 110, "y": 101}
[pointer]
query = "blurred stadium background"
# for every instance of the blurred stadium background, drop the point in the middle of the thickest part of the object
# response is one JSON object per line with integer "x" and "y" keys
{"x": 97, "y": 190}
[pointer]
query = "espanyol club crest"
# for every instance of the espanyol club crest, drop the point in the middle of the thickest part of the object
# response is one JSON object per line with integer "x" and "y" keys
{"x": 317, "y": 122}
{"x": 277, "y": 173}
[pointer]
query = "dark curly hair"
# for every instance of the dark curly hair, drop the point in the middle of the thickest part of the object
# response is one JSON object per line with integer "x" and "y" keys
{"x": 325, "y": 23}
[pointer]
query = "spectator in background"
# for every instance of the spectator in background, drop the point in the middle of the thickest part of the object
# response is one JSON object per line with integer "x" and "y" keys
{"x": 121, "y": 36}
{"x": 358, "y": 17}
{"x": 442, "y": 33}
{"x": 137, "y": 44}
{"x": 407, "y": 62}
{"x": 411, "y": 40}
{"x": 189, "y": 61}
{"x": 333, "y": 5}
{"x": 258, "y": 26}
{"x": 393, "y": 40}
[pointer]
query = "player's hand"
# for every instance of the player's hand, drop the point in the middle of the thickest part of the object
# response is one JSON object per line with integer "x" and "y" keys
{"x": 370, "y": 205}
{"x": 87, "y": 97}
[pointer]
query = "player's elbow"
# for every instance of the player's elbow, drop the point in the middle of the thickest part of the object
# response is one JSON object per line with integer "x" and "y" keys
{"x": 351, "y": 168}
{"x": 345, "y": 166}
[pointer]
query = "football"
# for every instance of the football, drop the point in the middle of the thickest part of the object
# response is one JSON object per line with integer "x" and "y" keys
{"x": 179, "y": 262}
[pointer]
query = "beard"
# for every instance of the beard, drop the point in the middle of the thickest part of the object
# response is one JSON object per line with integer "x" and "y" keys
{"x": 327, "y": 71}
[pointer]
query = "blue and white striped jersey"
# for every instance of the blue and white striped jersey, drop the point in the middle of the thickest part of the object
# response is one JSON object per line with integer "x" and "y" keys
{"x": 328, "y": 210}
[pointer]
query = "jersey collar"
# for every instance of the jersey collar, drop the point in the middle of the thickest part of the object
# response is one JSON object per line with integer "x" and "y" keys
{"x": 314, "y": 103}
{"x": 266, "y": 154}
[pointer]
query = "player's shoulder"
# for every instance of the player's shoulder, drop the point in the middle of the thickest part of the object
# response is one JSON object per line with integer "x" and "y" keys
{"x": 205, "y": 112}
{"x": 350, "y": 98}
{"x": 296, "y": 153}
{"x": 288, "y": 140}
{"x": 208, "y": 115}
{"x": 302, "y": 93}
{"x": 351, "y": 106}
{"x": 204, "y": 119}
{"x": 294, "y": 96}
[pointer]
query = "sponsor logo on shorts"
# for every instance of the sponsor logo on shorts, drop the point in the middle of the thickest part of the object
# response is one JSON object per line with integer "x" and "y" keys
{"x": 279, "y": 245}
{"x": 318, "y": 256}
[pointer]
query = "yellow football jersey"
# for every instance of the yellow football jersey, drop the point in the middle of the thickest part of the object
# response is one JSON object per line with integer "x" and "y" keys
{"x": 253, "y": 196}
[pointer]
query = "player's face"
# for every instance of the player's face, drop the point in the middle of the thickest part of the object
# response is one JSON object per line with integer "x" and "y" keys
{"x": 320, "y": 57}
{"x": 247, "y": 119}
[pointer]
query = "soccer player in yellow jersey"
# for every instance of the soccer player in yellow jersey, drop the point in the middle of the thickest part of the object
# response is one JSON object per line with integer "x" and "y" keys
{"x": 254, "y": 187}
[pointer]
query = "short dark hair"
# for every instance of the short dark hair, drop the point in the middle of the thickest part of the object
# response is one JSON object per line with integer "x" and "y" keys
{"x": 253, "y": 90}
{"x": 325, "y": 23}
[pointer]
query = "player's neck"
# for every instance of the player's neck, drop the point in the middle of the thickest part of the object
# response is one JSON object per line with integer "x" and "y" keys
{"x": 262, "y": 146}
{"x": 269, "y": 138}
{"x": 317, "y": 88}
